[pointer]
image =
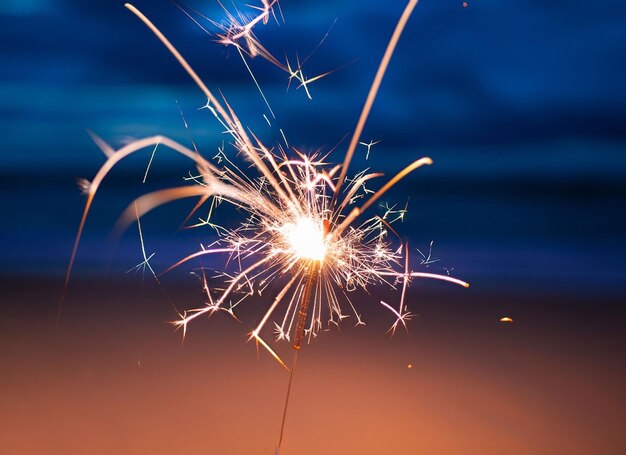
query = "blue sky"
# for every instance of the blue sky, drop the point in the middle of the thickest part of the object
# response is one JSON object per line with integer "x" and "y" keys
{"x": 522, "y": 105}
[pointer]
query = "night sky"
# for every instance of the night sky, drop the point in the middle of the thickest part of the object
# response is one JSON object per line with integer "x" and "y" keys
{"x": 521, "y": 105}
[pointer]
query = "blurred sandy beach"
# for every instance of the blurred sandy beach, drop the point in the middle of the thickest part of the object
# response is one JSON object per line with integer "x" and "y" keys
{"x": 114, "y": 378}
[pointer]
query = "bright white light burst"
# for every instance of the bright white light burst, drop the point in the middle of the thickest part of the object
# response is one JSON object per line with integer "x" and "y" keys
{"x": 305, "y": 236}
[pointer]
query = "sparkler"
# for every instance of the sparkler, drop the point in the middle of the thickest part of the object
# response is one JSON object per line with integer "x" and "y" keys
{"x": 301, "y": 228}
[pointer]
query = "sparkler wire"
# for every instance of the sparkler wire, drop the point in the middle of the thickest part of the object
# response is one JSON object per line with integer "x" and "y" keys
{"x": 304, "y": 305}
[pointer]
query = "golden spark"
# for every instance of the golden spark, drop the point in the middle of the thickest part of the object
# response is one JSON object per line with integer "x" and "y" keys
{"x": 301, "y": 225}
{"x": 301, "y": 228}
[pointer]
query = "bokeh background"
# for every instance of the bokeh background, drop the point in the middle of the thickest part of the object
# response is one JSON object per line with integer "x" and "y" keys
{"x": 522, "y": 107}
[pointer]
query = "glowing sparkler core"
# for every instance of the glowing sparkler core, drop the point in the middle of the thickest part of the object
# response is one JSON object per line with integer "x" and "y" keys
{"x": 305, "y": 238}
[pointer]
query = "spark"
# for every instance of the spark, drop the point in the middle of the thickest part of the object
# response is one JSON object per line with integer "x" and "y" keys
{"x": 104, "y": 147}
{"x": 145, "y": 176}
{"x": 302, "y": 227}
{"x": 428, "y": 259}
{"x": 267, "y": 103}
{"x": 237, "y": 30}
{"x": 145, "y": 264}
{"x": 182, "y": 116}
{"x": 369, "y": 147}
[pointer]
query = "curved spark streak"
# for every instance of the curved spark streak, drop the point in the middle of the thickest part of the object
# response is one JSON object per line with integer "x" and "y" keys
{"x": 371, "y": 96}
{"x": 433, "y": 276}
